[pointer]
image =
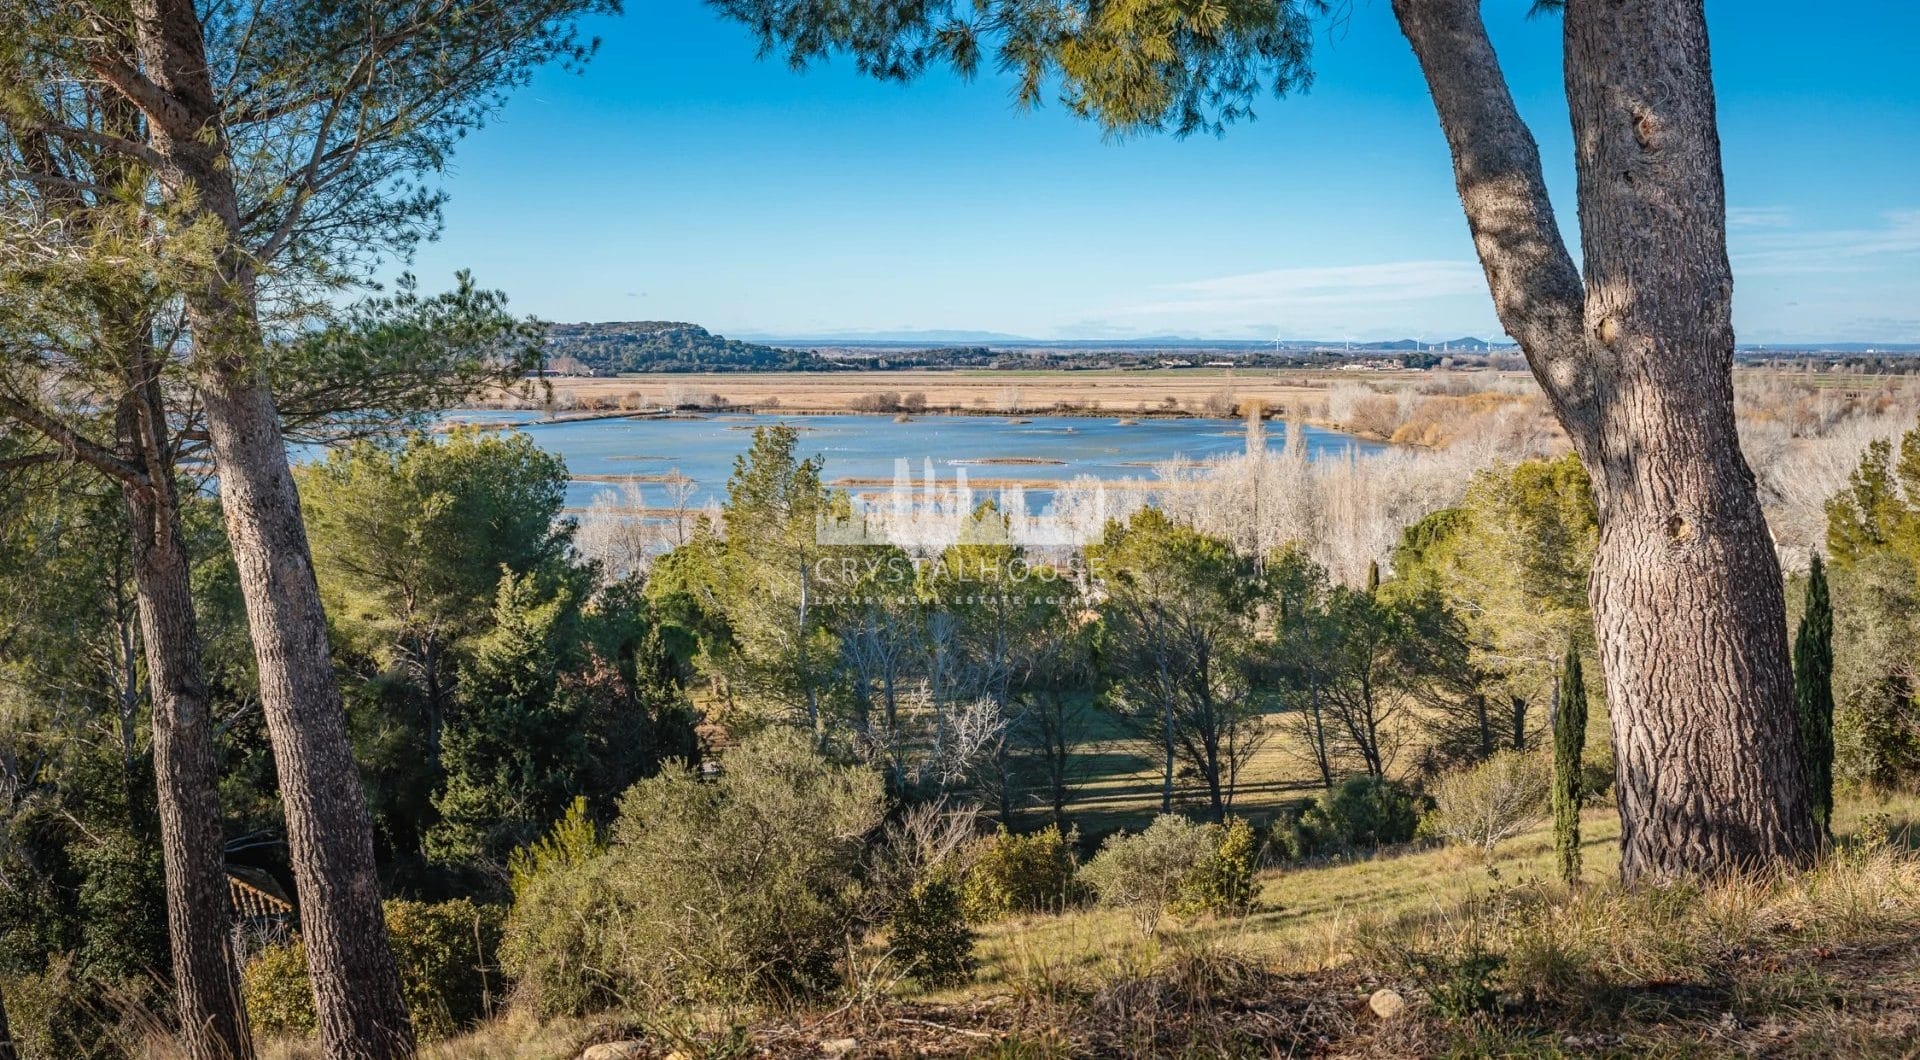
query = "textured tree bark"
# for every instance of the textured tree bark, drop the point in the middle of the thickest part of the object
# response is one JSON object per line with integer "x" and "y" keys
{"x": 356, "y": 984}
{"x": 1637, "y": 360}
{"x": 1685, "y": 576}
{"x": 213, "y": 1022}
{"x": 212, "y": 1018}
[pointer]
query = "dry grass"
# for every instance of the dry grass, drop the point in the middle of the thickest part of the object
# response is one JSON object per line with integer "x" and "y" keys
{"x": 514, "y": 1036}
{"x": 1308, "y": 917}
{"x": 1495, "y": 958}
{"x": 972, "y": 391}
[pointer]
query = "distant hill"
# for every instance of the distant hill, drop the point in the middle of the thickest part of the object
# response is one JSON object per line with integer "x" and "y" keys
{"x": 666, "y": 346}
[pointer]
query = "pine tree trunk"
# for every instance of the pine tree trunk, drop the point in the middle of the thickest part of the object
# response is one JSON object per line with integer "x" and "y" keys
{"x": 186, "y": 778}
{"x": 1686, "y": 589}
{"x": 211, "y": 1016}
{"x": 1637, "y": 361}
{"x": 1166, "y": 752}
{"x": 356, "y": 984}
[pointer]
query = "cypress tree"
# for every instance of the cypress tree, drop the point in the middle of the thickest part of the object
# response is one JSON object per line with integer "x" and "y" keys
{"x": 1813, "y": 694}
{"x": 1569, "y": 740}
{"x": 1373, "y": 577}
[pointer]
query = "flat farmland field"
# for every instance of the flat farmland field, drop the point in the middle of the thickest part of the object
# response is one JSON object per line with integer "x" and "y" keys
{"x": 1355, "y": 398}
{"x": 1120, "y": 392}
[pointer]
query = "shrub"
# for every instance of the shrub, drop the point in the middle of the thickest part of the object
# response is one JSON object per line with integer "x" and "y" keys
{"x": 744, "y": 888}
{"x": 735, "y": 890}
{"x": 877, "y": 401}
{"x": 1012, "y": 874}
{"x": 446, "y": 953}
{"x": 561, "y": 904}
{"x": 912, "y": 882}
{"x": 73, "y": 1013}
{"x": 929, "y": 933}
{"x": 1359, "y": 813}
{"x": 278, "y": 994}
{"x": 1461, "y": 984}
{"x": 558, "y": 937}
{"x": 573, "y": 841}
{"x": 1378, "y": 415}
{"x": 121, "y": 902}
{"x": 1147, "y": 873}
{"x": 1493, "y": 801}
{"x": 1223, "y": 880}
{"x": 691, "y": 396}
{"x": 1596, "y": 782}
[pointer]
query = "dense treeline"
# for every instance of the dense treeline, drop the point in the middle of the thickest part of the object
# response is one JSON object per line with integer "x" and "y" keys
{"x": 490, "y": 678}
{"x": 494, "y": 678}
{"x": 667, "y": 346}
{"x": 1002, "y": 664}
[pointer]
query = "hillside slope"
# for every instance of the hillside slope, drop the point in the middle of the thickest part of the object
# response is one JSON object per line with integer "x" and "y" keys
{"x": 617, "y": 347}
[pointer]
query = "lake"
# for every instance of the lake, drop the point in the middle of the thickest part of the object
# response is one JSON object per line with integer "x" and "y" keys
{"x": 860, "y": 452}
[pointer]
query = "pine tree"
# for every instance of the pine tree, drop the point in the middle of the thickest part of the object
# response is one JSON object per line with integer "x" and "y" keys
{"x": 374, "y": 101}
{"x": 1813, "y": 694}
{"x": 1648, "y": 375}
{"x": 514, "y": 752}
{"x": 1569, "y": 740}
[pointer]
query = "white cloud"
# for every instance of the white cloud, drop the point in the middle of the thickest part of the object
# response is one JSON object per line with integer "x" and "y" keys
{"x": 1843, "y": 284}
{"x": 1375, "y": 300}
{"x": 1800, "y": 251}
{"x": 1758, "y": 217}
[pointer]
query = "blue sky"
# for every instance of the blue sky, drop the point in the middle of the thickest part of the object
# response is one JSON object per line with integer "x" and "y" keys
{"x": 681, "y": 178}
